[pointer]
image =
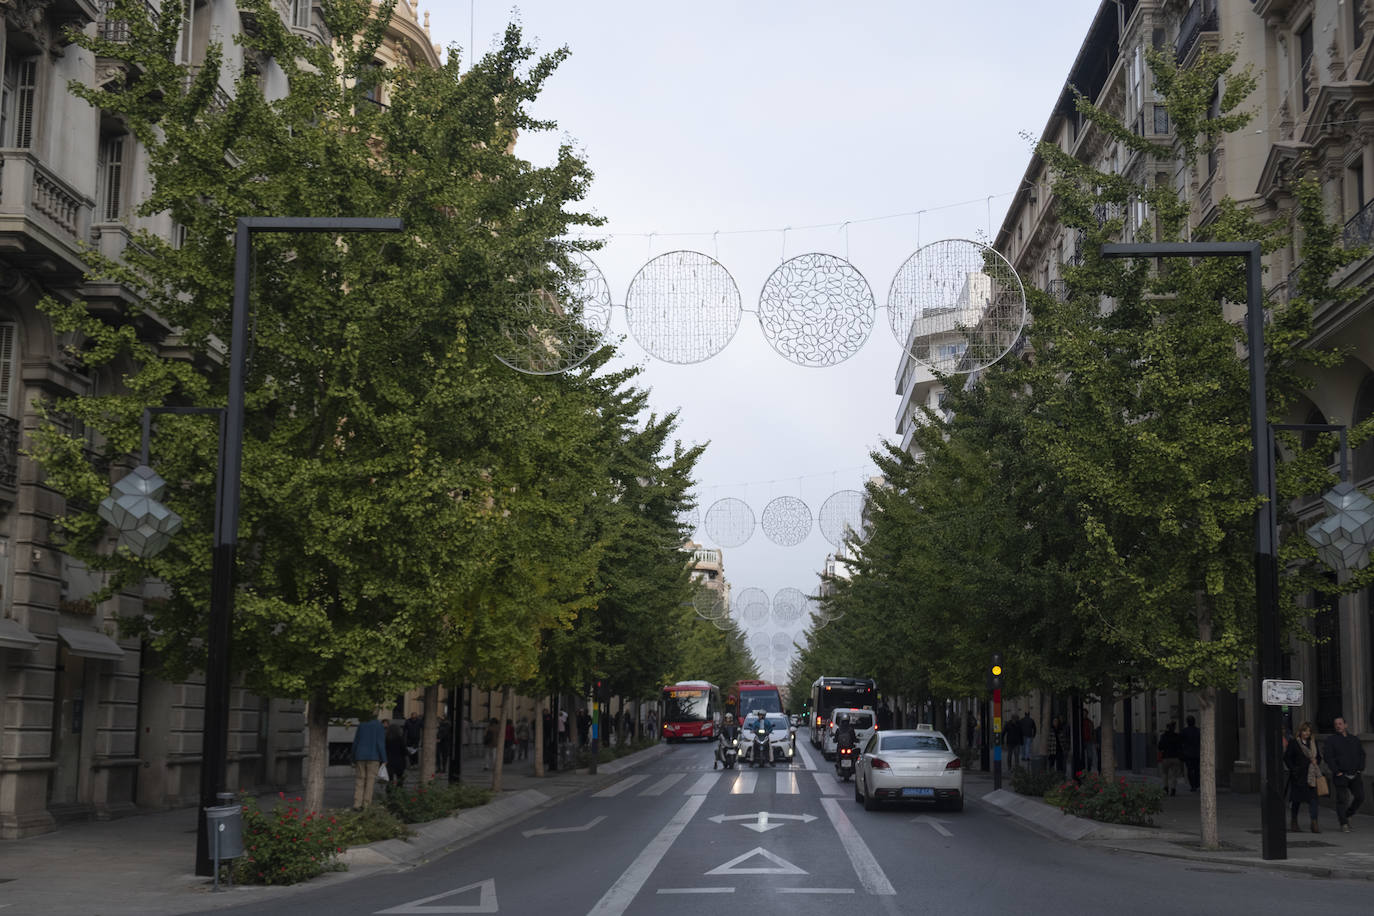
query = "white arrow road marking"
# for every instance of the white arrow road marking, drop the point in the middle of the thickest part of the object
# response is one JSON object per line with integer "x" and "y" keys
{"x": 486, "y": 902}
{"x": 780, "y": 866}
{"x": 934, "y": 822}
{"x": 543, "y": 831}
{"x": 761, "y": 823}
{"x": 621, "y": 894}
{"x": 870, "y": 873}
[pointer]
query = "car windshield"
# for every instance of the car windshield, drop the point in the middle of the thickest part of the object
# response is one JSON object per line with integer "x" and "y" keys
{"x": 779, "y": 722}
{"x": 914, "y": 743}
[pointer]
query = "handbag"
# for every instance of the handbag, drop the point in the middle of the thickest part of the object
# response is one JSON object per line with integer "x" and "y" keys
{"x": 382, "y": 773}
{"x": 1323, "y": 788}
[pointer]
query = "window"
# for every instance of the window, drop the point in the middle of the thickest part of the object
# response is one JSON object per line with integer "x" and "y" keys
{"x": 7, "y": 362}
{"x": 110, "y": 178}
{"x": 1304, "y": 58}
{"x": 1364, "y": 409}
{"x": 1327, "y": 628}
{"x": 1356, "y": 22}
{"x": 1214, "y": 111}
{"x": 17, "y": 102}
{"x": 300, "y": 13}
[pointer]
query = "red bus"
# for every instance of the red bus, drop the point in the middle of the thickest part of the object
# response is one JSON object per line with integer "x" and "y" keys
{"x": 691, "y": 709}
{"x": 751, "y": 695}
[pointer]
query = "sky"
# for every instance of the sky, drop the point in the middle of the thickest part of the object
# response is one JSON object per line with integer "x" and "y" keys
{"x": 868, "y": 128}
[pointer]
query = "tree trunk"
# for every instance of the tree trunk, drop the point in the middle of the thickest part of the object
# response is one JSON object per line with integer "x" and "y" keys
{"x": 1107, "y": 742}
{"x": 539, "y": 737}
{"x": 429, "y": 735}
{"x": 1207, "y": 767}
{"x": 507, "y": 712}
{"x": 317, "y": 751}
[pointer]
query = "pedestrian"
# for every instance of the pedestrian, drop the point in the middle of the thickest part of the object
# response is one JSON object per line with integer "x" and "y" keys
{"x": 884, "y": 716}
{"x": 1192, "y": 752}
{"x": 396, "y": 755}
{"x": 562, "y": 727}
{"x": 369, "y": 750}
{"x": 508, "y": 751}
{"x": 1056, "y": 744}
{"x": 1170, "y": 757}
{"x": 550, "y": 750}
{"x": 1345, "y": 760}
{"x": 1090, "y": 761}
{"x": 1027, "y": 736}
{"x": 1011, "y": 739}
{"x": 415, "y": 728}
{"x": 1303, "y": 760}
{"x": 584, "y": 727}
{"x": 522, "y": 737}
{"x": 652, "y": 727}
{"x": 443, "y": 744}
{"x": 489, "y": 743}
{"x": 628, "y": 732}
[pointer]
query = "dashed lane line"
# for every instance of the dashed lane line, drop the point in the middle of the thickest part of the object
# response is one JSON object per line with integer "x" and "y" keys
{"x": 612, "y": 791}
{"x": 829, "y": 784}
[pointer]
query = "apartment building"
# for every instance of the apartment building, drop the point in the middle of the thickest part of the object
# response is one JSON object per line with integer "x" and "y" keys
{"x": 1314, "y": 100}
{"x": 87, "y": 727}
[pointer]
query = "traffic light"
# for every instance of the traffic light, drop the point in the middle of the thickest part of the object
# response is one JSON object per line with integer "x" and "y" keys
{"x": 995, "y": 672}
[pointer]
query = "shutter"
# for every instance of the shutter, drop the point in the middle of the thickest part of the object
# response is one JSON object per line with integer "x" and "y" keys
{"x": 25, "y": 93}
{"x": 6, "y": 367}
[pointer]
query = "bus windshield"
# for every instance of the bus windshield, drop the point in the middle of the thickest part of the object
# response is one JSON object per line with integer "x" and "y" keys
{"x": 685, "y": 705}
{"x": 767, "y": 700}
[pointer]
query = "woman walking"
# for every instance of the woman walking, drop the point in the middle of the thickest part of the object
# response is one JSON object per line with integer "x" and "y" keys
{"x": 1302, "y": 758}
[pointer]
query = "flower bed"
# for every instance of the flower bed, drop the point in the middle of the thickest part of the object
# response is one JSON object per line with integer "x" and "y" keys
{"x": 286, "y": 845}
{"x": 1119, "y": 802}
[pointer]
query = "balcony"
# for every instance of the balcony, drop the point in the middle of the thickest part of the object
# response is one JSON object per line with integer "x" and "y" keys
{"x": 1201, "y": 17}
{"x": 9, "y": 454}
{"x": 118, "y": 29}
{"x": 43, "y": 220}
{"x": 1359, "y": 229}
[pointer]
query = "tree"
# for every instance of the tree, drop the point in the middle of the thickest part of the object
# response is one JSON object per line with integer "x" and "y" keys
{"x": 397, "y": 500}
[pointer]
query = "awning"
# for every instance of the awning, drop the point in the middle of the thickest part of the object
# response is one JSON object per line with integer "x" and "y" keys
{"x": 90, "y": 644}
{"x": 14, "y": 636}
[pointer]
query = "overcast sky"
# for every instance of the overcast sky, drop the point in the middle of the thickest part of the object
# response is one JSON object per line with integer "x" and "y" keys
{"x": 744, "y": 118}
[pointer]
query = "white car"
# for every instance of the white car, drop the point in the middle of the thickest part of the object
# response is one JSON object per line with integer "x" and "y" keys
{"x": 909, "y": 765}
{"x": 864, "y": 726}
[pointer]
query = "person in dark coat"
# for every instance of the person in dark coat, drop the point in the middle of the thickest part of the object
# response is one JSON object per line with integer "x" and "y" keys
{"x": 1170, "y": 757}
{"x": 1345, "y": 758}
{"x": 396, "y": 755}
{"x": 1011, "y": 739}
{"x": 1192, "y": 752}
{"x": 1302, "y": 759}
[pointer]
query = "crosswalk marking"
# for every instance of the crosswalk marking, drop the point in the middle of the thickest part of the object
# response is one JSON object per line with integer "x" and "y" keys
{"x": 704, "y": 784}
{"x": 829, "y": 785}
{"x": 612, "y": 791}
{"x": 745, "y": 783}
{"x": 663, "y": 784}
{"x": 787, "y": 783}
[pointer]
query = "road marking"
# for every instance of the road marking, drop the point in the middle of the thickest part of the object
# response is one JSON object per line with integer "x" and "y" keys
{"x": 705, "y": 783}
{"x": 544, "y": 831}
{"x": 787, "y": 783}
{"x": 829, "y": 784}
{"x": 621, "y": 894}
{"x": 805, "y": 753}
{"x": 663, "y": 784}
{"x": 745, "y": 783}
{"x": 696, "y": 890}
{"x": 937, "y": 824}
{"x": 814, "y": 890}
{"x": 860, "y": 856}
{"x": 780, "y": 865}
{"x": 486, "y": 902}
{"x": 762, "y": 824}
{"x": 626, "y": 783}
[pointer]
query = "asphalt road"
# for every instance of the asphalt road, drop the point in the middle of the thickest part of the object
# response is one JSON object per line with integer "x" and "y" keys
{"x": 674, "y": 836}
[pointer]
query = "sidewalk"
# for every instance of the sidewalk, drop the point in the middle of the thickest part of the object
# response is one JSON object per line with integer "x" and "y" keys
{"x": 1177, "y": 833}
{"x": 144, "y": 865}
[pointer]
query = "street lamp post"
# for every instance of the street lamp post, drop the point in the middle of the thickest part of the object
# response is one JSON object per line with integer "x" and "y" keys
{"x": 1274, "y": 838}
{"x": 215, "y": 725}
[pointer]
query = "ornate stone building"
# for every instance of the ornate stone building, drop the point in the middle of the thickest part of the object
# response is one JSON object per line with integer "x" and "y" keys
{"x": 87, "y": 728}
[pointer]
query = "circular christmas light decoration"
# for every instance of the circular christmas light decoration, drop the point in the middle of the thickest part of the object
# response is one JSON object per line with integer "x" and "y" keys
{"x": 557, "y": 326}
{"x": 786, "y": 521}
{"x": 956, "y": 306}
{"x": 816, "y": 310}
{"x": 750, "y": 605}
{"x": 730, "y": 522}
{"x": 709, "y": 604}
{"x": 683, "y": 307}
{"x": 759, "y": 645}
{"x": 841, "y": 513}
{"x": 721, "y": 623}
{"x": 789, "y": 604}
{"x": 782, "y": 645}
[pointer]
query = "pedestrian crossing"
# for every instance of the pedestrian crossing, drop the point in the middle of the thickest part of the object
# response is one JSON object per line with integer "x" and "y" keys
{"x": 730, "y": 782}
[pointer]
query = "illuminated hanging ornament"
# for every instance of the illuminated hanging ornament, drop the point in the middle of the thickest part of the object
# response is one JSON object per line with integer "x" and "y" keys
{"x": 816, "y": 310}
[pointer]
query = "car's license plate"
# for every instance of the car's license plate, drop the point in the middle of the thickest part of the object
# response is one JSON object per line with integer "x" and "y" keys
{"x": 918, "y": 793}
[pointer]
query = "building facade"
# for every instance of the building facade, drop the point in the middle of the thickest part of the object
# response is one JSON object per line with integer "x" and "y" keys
{"x": 1314, "y": 102}
{"x": 87, "y": 727}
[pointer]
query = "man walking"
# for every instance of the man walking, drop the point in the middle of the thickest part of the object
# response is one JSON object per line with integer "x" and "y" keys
{"x": 1011, "y": 737}
{"x": 369, "y": 750}
{"x": 1345, "y": 757}
{"x": 1192, "y": 752}
{"x": 1027, "y": 736}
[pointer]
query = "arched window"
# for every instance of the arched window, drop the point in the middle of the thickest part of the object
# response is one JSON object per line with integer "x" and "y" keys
{"x": 1364, "y": 408}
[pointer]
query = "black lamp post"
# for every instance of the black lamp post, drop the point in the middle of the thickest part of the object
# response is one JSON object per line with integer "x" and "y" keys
{"x": 215, "y": 727}
{"x": 1274, "y": 839}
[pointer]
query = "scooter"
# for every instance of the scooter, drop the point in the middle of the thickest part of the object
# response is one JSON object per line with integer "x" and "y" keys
{"x": 844, "y": 763}
{"x": 727, "y": 753}
{"x": 762, "y": 750}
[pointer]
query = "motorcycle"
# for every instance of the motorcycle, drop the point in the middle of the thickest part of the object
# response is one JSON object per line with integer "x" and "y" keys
{"x": 727, "y": 753}
{"x": 762, "y": 750}
{"x": 844, "y": 763}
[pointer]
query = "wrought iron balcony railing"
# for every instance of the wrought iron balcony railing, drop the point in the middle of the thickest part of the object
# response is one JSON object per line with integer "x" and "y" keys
{"x": 1201, "y": 17}
{"x": 1359, "y": 229}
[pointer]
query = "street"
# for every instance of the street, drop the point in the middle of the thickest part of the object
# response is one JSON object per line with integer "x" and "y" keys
{"x": 674, "y": 836}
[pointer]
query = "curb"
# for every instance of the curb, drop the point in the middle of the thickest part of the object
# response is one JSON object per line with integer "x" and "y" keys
{"x": 629, "y": 760}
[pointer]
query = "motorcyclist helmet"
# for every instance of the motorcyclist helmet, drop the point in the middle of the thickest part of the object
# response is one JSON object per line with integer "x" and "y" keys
{"x": 729, "y": 718}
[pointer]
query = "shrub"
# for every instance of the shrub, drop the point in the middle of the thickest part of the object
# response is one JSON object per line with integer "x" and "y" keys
{"x": 433, "y": 800}
{"x": 373, "y": 823}
{"x": 1110, "y": 802}
{"x": 1024, "y": 782}
{"x": 287, "y": 845}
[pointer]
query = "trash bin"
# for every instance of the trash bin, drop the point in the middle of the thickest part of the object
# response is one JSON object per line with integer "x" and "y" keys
{"x": 224, "y": 834}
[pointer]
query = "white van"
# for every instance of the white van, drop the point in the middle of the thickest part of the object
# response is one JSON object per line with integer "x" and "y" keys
{"x": 864, "y": 724}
